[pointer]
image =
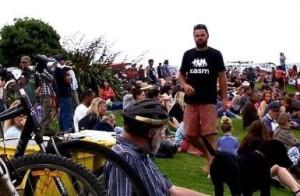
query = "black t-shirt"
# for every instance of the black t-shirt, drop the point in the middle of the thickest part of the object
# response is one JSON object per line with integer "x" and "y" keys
{"x": 63, "y": 88}
{"x": 176, "y": 112}
{"x": 201, "y": 69}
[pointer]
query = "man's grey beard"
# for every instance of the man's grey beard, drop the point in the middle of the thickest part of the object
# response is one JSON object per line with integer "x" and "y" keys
{"x": 155, "y": 144}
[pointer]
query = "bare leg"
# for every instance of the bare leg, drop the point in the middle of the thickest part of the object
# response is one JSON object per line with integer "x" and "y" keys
{"x": 212, "y": 139}
{"x": 285, "y": 177}
{"x": 198, "y": 143}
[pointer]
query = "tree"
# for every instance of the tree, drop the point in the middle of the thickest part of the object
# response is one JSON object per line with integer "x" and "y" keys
{"x": 27, "y": 36}
{"x": 92, "y": 60}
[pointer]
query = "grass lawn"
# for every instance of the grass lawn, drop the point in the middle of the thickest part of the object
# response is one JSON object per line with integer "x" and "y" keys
{"x": 185, "y": 170}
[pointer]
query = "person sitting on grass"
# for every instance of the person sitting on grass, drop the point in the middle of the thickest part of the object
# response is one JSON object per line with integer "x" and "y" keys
{"x": 144, "y": 124}
{"x": 94, "y": 115}
{"x": 13, "y": 127}
{"x": 182, "y": 144}
{"x": 227, "y": 142}
{"x": 82, "y": 108}
{"x": 258, "y": 141}
{"x": 283, "y": 133}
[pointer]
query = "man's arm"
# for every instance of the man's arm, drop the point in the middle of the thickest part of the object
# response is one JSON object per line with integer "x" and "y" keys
{"x": 223, "y": 87}
{"x": 188, "y": 89}
{"x": 180, "y": 191}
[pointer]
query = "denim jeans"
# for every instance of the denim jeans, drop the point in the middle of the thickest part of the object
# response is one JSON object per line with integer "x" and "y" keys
{"x": 65, "y": 114}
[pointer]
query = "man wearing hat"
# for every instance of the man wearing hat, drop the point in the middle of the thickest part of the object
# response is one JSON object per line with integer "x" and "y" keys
{"x": 270, "y": 119}
{"x": 201, "y": 67}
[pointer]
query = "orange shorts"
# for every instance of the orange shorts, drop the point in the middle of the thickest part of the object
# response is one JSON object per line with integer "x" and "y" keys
{"x": 200, "y": 119}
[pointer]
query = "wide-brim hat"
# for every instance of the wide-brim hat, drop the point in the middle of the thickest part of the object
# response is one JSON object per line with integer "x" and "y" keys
{"x": 245, "y": 83}
{"x": 145, "y": 86}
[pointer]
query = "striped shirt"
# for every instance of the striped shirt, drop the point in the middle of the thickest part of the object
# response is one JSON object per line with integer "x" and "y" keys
{"x": 119, "y": 185}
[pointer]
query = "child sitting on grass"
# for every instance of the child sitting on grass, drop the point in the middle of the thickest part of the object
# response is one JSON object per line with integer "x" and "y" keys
{"x": 227, "y": 142}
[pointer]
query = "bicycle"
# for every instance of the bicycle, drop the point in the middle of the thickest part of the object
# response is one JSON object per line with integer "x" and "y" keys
{"x": 66, "y": 176}
{"x": 32, "y": 126}
{"x": 66, "y": 148}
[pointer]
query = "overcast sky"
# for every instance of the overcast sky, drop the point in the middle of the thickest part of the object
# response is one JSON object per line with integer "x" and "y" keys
{"x": 242, "y": 30}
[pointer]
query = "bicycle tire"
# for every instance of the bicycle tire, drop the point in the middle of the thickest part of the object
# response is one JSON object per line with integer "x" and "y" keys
{"x": 81, "y": 146}
{"x": 46, "y": 167}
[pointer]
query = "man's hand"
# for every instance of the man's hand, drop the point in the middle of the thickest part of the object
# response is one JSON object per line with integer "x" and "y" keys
{"x": 224, "y": 103}
{"x": 188, "y": 89}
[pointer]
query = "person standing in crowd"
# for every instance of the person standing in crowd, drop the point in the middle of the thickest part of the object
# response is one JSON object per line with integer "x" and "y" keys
{"x": 144, "y": 130}
{"x": 166, "y": 71}
{"x": 280, "y": 77}
{"x": 282, "y": 59}
{"x": 74, "y": 85}
{"x": 141, "y": 73}
{"x": 29, "y": 82}
{"x": 64, "y": 95}
{"x": 47, "y": 98}
{"x": 160, "y": 73}
{"x": 150, "y": 72}
{"x": 200, "y": 69}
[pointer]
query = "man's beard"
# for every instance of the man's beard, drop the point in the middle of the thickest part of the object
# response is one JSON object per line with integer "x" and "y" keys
{"x": 155, "y": 144}
{"x": 202, "y": 44}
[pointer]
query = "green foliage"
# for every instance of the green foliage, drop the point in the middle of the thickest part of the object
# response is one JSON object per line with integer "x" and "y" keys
{"x": 92, "y": 60}
{"x": 27, "y": 36}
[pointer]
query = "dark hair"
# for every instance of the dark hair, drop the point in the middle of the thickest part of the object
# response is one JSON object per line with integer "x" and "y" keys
{"x": 136, "y": 91}
{"x": 153, "y": 93}
{"x": 257, "y": 130}
{"x": 201, "y": 26}
{"x": 165, "y": 89}
{"x": 86, "y": 93}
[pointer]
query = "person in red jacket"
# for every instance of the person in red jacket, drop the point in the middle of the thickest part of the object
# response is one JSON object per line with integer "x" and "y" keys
{"x": 106, "y": 92}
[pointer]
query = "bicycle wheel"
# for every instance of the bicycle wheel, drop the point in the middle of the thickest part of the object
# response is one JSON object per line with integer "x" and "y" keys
{"x": 84, "y": 151}
{"x": 49, "y": 174}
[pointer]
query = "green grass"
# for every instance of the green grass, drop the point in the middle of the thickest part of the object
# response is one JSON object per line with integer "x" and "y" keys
{"x": 290, "y": 89}
{"x": 185, "y": 170}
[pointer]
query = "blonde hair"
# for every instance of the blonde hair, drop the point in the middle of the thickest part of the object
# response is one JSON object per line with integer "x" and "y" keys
{"x": 179, "y": 98}
{"x": 93, "y": 109}
{"x": 10, "y": 122}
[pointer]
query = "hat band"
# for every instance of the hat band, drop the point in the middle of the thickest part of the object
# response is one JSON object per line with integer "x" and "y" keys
{"x": 151, "y": 121}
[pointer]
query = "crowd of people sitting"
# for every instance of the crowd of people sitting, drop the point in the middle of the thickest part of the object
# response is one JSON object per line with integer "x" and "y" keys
{"x": 256, "y": 96}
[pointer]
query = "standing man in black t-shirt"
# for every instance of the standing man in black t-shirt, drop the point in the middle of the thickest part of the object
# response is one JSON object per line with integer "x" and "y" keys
{"x": 200, "y": 69}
